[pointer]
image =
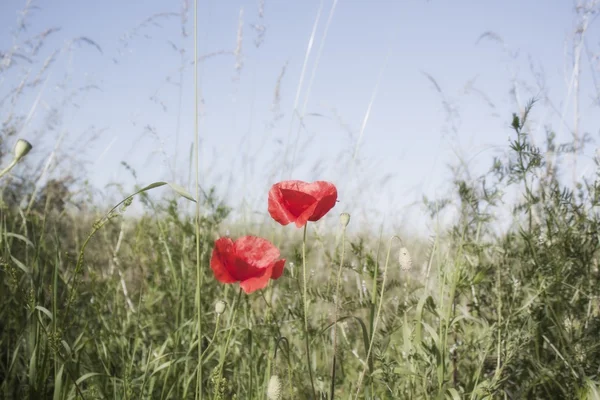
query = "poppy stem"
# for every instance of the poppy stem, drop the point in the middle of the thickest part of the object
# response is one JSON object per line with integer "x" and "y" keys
{"x": 230, "y": 323}
{"x": 10, "y": 166}
{"x": 212, "y": 340}
{"x": 234, "y": 308}
{"x": 304, "y": 282}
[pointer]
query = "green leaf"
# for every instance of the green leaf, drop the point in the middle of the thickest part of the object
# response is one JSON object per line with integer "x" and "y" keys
{"x": 86, "y": 376}
{"x": 45, "y": 311}
{"x": 453, "y": 394}
{"x": 20, "y": 237}
{"x": 178, "y": 189}
{"x": 15, "y": 356}
{"x": 33, "y": 368}
{"x": 418, "y": 319}
{"x": 150, "y": 186}
{"x": 162, "y": 366}
{"x": 20, "y": 265}
{"x": 58, "y": 384}
{"x": 181, "y": 191}
{"x": 66, "y": 347}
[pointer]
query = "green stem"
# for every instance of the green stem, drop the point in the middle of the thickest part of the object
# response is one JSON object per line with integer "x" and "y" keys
{"x": 304, "y": 295}
{"x": 199, "y": 389}
{"x": 499, "y": 306}
{"x": 212, "y": 340}
{"x": 10, "y": 166}
{"x": 230, "y": 323}
{"x": 335, "y": 320}
{"x": 234, "y": 308}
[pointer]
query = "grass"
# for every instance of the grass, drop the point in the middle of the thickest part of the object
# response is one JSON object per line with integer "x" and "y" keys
{"x": 111, "y": 313}
{"x": 105, "y": 305}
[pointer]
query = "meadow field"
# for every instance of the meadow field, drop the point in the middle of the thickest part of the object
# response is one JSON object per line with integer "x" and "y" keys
{"x": 180, "y": 289}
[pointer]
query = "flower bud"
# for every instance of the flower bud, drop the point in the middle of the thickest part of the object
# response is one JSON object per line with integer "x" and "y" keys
{"x": 405, "y": 259}
{"x": 274, "y": 391}
{"x": 21, "y": 149}
{"x": 220, "y": 307}
{"x": 344, "y": 219}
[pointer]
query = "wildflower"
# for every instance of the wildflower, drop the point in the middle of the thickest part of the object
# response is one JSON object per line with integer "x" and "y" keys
{"x": 299, "y": 202}
{"x": 250, "y": 260}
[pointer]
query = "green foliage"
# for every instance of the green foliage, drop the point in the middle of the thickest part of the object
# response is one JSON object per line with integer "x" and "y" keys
{"x": 100, "y": 308}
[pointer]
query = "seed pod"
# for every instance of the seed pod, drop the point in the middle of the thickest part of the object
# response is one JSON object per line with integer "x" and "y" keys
{"x": 21, "y": 149}
{"x": 220, "y": 307}
{"x": 344, "y": 219}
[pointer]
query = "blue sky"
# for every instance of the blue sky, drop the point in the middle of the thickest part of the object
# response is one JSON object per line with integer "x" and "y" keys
{"x": 138, "y": 111}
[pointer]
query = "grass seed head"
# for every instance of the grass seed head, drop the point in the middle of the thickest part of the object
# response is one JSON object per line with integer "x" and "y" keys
{"x": 405, "y": 259}
{"x": 274, "y": 391}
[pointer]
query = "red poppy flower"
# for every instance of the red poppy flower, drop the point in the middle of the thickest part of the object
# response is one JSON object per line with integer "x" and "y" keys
{"x": 299, "y": 202}
{"x": 250, "y": 260}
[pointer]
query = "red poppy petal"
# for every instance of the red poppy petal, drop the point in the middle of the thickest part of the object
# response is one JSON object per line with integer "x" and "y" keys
{"x": 219, "y": 260}
{"x": 255, "y": 251}
{"x": 306, "y": 215}
{"x": 258, "y": 282}
{"x": 288, "y": 200}
{"x": 326, "y": 200}
{"x": 299, "y": 202}
{"x": 318, "y": 189}
{"x": 277, "y": 208}
{"x": 278, "y": 269}
{"x": 296, "y": 202}
{"x": 295, "y": 185}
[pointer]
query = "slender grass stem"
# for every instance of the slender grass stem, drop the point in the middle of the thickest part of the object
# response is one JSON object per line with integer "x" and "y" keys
{"x": 335, "y": 320}
{"x": 304, "y": 299}
{"x": 199, "y": 388}
{"x": 230, "y": 323}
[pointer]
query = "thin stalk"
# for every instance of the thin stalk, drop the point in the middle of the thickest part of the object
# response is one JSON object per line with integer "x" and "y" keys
{"x": 374, "y": 289}
{"x": 499, "y": 306}
{"x": 335, "y": 320}
{"x": 55, "y": 313}
{"x": 234, "y": 308}
{"x": 312, "y": 385}
{"x": 199, "y": 388}
{"x": 10, "y": 166}
{"x": 212, "y": 340}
